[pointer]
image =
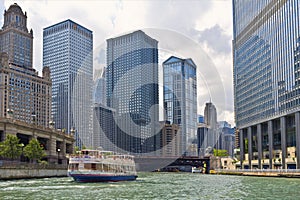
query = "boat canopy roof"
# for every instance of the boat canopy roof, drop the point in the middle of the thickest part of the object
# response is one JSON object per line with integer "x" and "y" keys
{"x": 93, "y": 152}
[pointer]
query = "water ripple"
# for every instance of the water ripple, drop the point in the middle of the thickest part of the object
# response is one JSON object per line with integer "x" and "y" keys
{"x": 155, "y": 186}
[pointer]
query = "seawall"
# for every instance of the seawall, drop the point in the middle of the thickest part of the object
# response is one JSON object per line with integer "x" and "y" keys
{"x": 19, "y": 170}
{"x": 6, "y": 174}
{"x": 262, "y": 173}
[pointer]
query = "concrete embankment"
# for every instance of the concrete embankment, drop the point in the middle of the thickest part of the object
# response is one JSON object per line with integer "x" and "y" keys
{"x": 19, "y": 171}
{"x": 262, "y": 173}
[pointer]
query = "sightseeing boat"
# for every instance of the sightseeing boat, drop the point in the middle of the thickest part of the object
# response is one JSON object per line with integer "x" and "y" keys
{"x": 196, "y": 170}
{"x": 101, "y": 166}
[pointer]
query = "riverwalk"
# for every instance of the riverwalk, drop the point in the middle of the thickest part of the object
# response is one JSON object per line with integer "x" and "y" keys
{"x": 287, "y": 173}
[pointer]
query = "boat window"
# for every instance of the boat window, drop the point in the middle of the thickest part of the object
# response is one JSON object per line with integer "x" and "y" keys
{"x": 94, "y": 166}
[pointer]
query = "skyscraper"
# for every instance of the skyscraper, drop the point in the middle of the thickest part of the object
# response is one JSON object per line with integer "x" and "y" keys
{"x": 104, "y": 128}
{"x": 266, "y": 81}
{"x": 99, "y": 95}
{"x": 180, "y": 99}
{"x": 210, "y": 119}
{"x": 210, "y": 115}
{"x": 132, "y": 90}
{"x": 67, "y": 50}
{"x": 24, "y": 95}
{"x": 15, "y": 39}
{"x": 227, "y": 137}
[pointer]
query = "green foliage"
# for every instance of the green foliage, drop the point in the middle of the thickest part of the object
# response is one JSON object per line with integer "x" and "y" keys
{"x": 34, "y": 151}
{"x": 10, "y": 147}
{"x": 220, "y": 152}
{"x": 76, "y": 149}
{"x": 43, "y": 163}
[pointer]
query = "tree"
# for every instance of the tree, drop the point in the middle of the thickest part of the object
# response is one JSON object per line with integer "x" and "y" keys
{"x": 220, "y": 152}
{"x": 76, "y": 149}
{"x": 10, "y": 147}
{"x": 34, "y": 150}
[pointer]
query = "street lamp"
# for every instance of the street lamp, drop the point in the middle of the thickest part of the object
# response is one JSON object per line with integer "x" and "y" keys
{"x": 51, "y": 124}
{"x": 10, "y": 113}
{"x": 72, "y": 131}
{"x": 22, "y": 146}
{"x": 58, "y": 151}
{"x": 33, "y": 115}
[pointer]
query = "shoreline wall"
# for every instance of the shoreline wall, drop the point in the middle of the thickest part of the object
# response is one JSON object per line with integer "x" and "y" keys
{"x": 261, "y": 173}
{"x": 6, "y": 174}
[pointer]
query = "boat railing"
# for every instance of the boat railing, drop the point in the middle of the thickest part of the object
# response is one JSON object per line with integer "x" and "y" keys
{"x": 107, "y": 159}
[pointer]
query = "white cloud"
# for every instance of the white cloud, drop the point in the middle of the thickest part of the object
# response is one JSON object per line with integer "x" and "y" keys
{"x": 110, "y": 18}
{"x": 219, "y": 13}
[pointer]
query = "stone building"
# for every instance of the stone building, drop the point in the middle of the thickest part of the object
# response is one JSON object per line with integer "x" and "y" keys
{"x": 170, "y": 140}
{"x": 23, "y": 93}
{"x": 15, "y": 39}
{"x": 25, "y": 97}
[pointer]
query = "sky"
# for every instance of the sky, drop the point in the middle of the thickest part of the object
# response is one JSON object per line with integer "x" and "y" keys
{"x": 197, "y": 29}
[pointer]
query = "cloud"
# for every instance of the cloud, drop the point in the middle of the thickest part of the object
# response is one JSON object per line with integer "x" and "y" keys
{"x": 100, "y": 57}
{"x": 2, "y": 8}
{"x": 176, "y": 15}
{"x": 209, "y": 81}
{"x": 216, "y": 39}
{"x": 207, "y": 24}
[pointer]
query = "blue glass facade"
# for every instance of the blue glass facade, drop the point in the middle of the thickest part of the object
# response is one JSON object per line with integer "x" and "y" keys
{"x": 132, "y": 89}
{"x": 265, "y": 40}
{"x": 67, "y": 50}
{"x": 266, "y": 81}
{"x": 180, "y": 99}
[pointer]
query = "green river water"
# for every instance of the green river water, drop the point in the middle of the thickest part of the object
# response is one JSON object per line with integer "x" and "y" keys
{"x": 155, "y": 186}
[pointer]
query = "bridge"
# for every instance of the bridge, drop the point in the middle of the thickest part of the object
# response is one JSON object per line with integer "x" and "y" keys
{"x": 147, "y": 163}
{"x": 56, "y": 144}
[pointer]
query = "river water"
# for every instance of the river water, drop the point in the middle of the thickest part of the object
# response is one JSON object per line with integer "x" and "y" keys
{"x": 155, "y": 186}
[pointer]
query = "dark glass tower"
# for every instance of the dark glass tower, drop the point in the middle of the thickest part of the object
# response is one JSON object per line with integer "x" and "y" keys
{"x": 132, "y": 90}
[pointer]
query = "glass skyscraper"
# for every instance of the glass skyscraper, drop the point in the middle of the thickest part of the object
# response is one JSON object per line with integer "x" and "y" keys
{"x": 180, "y": 99}
{"x": 132, "y": 90}
{"x": 67, "y": 50}
{"x": 266, "y": 38}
